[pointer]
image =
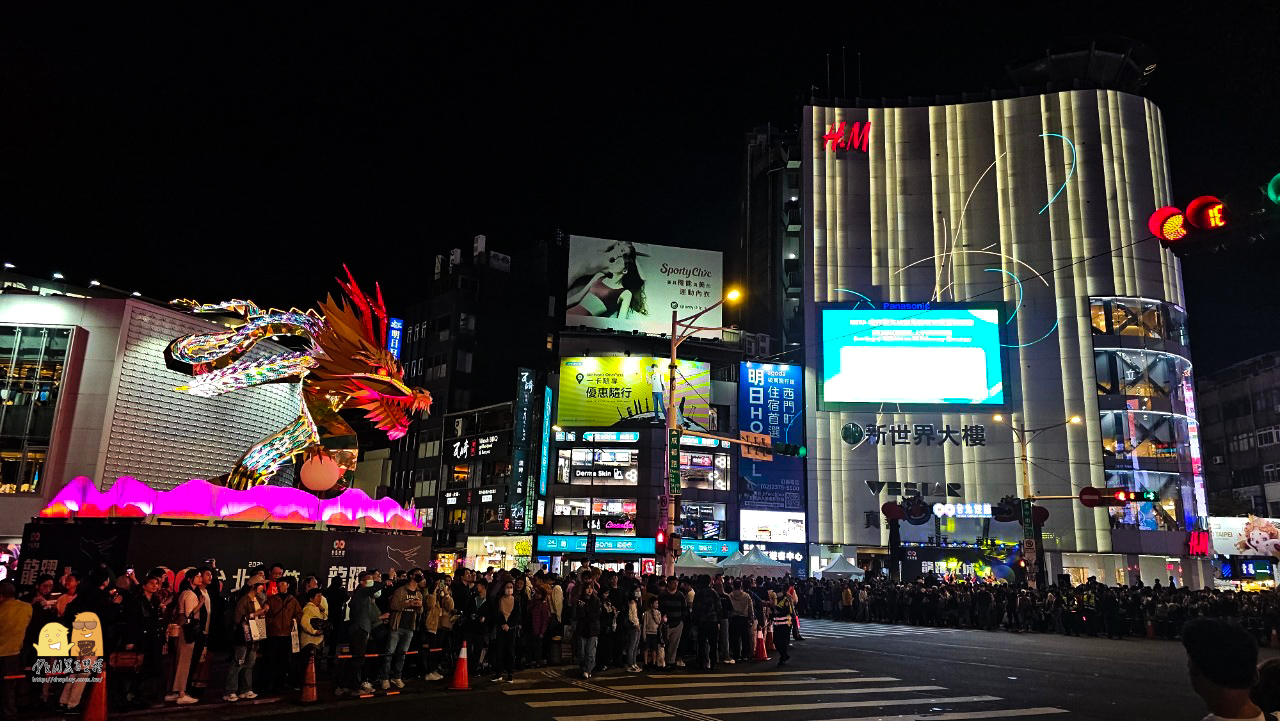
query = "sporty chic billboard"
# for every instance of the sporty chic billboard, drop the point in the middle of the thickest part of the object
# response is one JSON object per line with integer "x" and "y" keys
{"x": 634, "y": 286}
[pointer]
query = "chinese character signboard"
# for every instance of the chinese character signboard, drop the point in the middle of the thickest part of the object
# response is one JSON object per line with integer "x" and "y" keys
{"x": 771, "y": 401}
{"x": 395, "y": 330}
{"x": 545, "y": 461}
{"x": 673, "y": 461}
{"x": 924, "y": 434}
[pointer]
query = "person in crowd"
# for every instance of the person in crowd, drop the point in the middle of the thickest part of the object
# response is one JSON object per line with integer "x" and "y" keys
{"x": 250, "y": 607}
{"x": 283, "y": 614}
{"x": 629, "y": 619}
{"x": 144, "y": 614}
{"x": 506, "y": 621}
{"x": 479, "y": 624}
{"x": 193, "y": 613}
{"x": 1222, "y": 662}
{"x": 365, "y": 617}
{"x": 674, "y": 605}
{"x": 71, "y": 588}
{"x": 15, "y": 616}
{"x": 336, "y": 598}
{"x": 587, "y": 627}
{"x": 784, "y": 610}
{"x": 652, "y": 626}
{"x": 1266, "y": 692}
{"x": 405, "y": 609}
{"x": 539, "y": 626}
{"x": 706, "y": 617}
{"x": 274, "y": 574}
{"x": 741, "y": 646}
{"x": 314, "y": 624}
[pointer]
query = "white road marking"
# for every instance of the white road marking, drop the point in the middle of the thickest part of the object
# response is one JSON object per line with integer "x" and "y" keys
{"x": 565, "y": 689}
{"x": 786, "y": 682}
{"x": 575, "y": 702}
{"x": 615, "y": 716}
{"x": 961, "y": 715}
{"x": 759, "y": 673}
{"x": 807, "y": 692}
{"x": 843, "y": 704}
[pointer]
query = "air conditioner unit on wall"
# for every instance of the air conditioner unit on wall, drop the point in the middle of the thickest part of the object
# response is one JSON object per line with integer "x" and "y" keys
{"x": 1217, "y": 460}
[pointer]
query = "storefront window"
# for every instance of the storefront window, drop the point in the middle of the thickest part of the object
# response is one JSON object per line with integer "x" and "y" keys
{"x": 705, "y": 470}
{"x": 705, "y": 521}
{"x": 604, "y": 516}
{"x": 598, "y": 466}
{"x": 460, "y": 477}
{"x": 32, "y": 360}
{"x": 1137, "y": 434}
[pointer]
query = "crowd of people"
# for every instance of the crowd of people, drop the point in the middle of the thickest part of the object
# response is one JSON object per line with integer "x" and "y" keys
{"x": 166, "y": 632}
{"x": 1089, "y": 609}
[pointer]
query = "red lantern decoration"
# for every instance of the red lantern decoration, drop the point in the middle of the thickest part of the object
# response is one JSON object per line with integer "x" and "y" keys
{"x": 893, "y": 511}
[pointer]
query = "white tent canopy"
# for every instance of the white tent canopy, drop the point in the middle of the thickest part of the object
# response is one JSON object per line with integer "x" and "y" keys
{"x": 724, "y": 561}
{"x": 840, "y": 569}
{"x": 754, "y": 563}
{"x": 691, "y": 563}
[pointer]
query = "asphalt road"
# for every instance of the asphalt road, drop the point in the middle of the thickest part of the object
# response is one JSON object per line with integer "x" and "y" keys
{"x": 841, "y": 672}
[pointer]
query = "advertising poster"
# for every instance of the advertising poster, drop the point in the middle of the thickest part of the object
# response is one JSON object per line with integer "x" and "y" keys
{"x": 771, "y": 400}
{"x": 1252, "y": 536}
{"x": 634, "y": 286}
{"x": 632, "y": 392}
{"x": 780, "y": 526}
{"x": 918, "y": 355}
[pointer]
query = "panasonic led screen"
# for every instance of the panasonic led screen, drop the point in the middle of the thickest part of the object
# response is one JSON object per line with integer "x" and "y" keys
{"x": 912, "y": 356}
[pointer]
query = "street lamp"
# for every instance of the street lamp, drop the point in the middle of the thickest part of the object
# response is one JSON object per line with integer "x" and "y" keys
{"x": 1024, "y": 436}
{"x": 682, "y": 329}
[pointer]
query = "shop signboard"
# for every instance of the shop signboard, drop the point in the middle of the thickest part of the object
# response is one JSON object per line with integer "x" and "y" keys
{"x": 395, "y": 329}
{"x": 673, "y": 461}
{"x": 771, "y": 400}
{"x": 545, "y": 459}
{"x": 604, "y": 545}
{"x": 714, "y": 549}
{"x": 633, "y": 286}
{"x": 631, "y": 392}
{"x": 794, "y": 554}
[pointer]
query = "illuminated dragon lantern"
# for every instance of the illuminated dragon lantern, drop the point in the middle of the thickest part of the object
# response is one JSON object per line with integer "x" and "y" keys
{"x": 344, "y": 363}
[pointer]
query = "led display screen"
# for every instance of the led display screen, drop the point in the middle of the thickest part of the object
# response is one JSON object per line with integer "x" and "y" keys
{"x": 916, "y": 356}
{"x": 772, "y": 526}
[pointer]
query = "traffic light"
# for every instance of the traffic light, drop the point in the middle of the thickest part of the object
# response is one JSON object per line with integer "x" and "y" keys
{"x": 1209, "y": 222}
{"x": 661, "y": 544}
{"x": 790, "y": 449}
{"x": 1124, "y": 498}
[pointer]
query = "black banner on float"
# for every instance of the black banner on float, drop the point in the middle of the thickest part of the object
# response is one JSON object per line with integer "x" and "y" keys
{"x": 238, "y": 552}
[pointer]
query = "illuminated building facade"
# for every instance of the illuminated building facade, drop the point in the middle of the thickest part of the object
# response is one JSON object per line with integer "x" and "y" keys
{"x": 1039, "y": 203}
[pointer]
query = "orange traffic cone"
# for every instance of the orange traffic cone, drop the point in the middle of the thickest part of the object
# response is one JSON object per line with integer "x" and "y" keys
{"x": 460, "y": 680}
{"x": 309, "y": 681}
{"x": 96, "y": 710}
{"x": 1151, "y": 629}
{"x": 1275, "y": 638}
{"x": 768, "y": 639}
{"x": 761, "y": 654}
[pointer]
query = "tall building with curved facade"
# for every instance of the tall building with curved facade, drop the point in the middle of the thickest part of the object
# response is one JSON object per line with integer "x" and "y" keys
{"x": 1038, "y": 204}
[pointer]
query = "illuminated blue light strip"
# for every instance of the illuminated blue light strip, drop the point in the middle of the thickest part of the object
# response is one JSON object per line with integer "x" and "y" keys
{"x": 1037, "y": 340}
{"x": 854, "y": 292}
{"x": 1017, "y": 280}
{"x": 1070, "y": 172}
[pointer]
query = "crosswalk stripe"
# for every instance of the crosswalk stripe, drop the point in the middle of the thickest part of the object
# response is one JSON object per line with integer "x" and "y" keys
{"x": 615, "y": 716}
{"x": 575, "y": 702}
{"x": 960, "y": 715}
{"x": 759, "y": 673}
{"x": 843, "y": 704}
{"x": 806, "y": 692}
{"x": 785, "y": 682}
{"x": 532, "y": 691}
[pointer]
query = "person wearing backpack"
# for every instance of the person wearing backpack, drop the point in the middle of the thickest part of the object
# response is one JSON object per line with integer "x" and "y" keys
{"x": 706, "y": 615}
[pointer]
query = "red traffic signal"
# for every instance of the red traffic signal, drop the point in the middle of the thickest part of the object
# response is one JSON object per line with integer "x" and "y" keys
{"x": 1094, "y": 497}
{"x": 1168, "y": 224}
{"x": 1207, "y": 213}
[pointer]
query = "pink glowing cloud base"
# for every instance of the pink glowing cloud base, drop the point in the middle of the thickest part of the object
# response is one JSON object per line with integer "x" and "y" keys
{"x": 203, "y": 500}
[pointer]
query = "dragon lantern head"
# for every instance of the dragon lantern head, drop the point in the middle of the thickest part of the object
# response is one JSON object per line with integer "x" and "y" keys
{"x": 355, "y": 367}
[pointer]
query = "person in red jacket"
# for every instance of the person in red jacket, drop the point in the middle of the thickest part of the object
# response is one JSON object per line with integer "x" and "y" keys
{"x": 540, "y": 616}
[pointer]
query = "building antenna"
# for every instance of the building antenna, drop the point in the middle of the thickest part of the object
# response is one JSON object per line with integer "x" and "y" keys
{"x": 844, "y": 72}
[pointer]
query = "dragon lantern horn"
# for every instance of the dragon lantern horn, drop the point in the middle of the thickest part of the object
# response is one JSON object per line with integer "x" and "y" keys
{"x": 367, "y": 309}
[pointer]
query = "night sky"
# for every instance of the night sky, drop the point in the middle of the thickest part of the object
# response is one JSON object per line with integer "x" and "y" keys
{"x": 220, "y": 154}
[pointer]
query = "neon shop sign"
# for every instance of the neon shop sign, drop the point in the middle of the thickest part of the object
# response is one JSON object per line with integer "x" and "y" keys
{"x": 842, "y": 136}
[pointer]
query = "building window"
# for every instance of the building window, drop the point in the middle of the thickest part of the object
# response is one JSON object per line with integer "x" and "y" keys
{"x": 598, "y": 466}
{"x": 1271, "y": 473}
{"x": 32, "y": 361}
{"x": 604, "y": 516}
{"x": 1240, "y": 442}
{"x": 1268, "y": 436}
{"x": 551, "y": 341}
{"x": 1275, "y": 509}
{"x": 464, "y": 361}
{"x": 705, "y": 470}
{"x": 704, "y": 521}
{"x": 466, "y": 322}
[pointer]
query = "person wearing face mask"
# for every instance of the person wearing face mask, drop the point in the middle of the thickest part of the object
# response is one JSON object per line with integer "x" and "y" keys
{"x": 365, "y": 617}
{"x": 507, "y": 626}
